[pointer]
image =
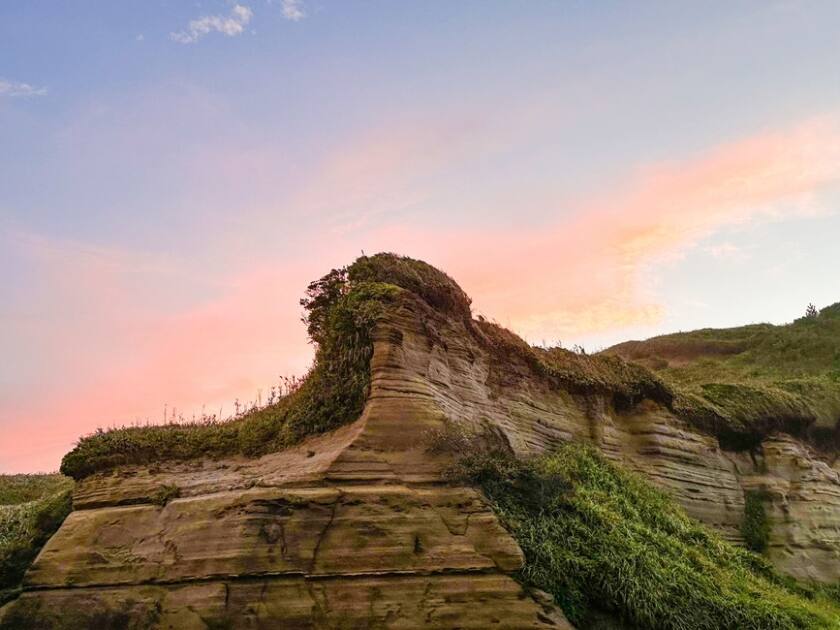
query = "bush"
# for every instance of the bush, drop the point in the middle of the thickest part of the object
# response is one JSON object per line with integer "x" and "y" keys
{"x": 165, "y": 493}
{"x": 755, "y": 527}
{"x": 601, "y": 539}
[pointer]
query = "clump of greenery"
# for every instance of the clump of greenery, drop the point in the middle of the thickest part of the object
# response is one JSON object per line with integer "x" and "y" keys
{"x": 755, "y": 527}
{"x": 433, "y": 286}
{"x": 165, "y": 494}
{"x": 341, "y": 310}
{"x": 600, "y": 539}
{"x": 32, "y": 507}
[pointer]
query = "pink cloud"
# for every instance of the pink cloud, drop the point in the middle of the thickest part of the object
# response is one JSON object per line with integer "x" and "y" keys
{"x": 207, "y": 353}
{"x": 125, "y": 333}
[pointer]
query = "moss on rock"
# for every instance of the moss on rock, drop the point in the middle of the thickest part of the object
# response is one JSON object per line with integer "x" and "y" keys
{"x": 755, "y": 527}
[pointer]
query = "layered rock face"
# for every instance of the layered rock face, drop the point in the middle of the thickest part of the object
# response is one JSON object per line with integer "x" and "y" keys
{"x": 438, "y": 365}
{"x": 358, "y": 528}
{"x": 352, "y": 529}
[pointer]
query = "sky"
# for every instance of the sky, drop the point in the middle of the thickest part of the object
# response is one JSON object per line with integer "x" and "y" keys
{"x": 173, "y": 174}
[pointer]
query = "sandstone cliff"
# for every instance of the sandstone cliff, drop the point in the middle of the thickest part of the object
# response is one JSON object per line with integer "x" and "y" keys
{"x": 358, "y": 528}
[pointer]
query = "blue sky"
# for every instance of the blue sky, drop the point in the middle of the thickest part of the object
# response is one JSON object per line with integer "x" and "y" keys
{"x": 173, "y": 173}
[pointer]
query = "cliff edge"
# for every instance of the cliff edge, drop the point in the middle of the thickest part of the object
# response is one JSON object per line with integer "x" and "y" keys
{"x": 330, "y": 509}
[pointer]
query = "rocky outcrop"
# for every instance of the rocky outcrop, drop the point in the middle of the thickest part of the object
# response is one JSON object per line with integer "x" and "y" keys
{"x": 353, "y": 529}
{"x": 358, "y": 528}
{"x": 440, "y": 367}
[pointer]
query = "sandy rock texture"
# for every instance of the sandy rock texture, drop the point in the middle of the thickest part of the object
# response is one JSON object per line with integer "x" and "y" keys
{"x": 352, "y": 529}
{"x": 438, "y": 367}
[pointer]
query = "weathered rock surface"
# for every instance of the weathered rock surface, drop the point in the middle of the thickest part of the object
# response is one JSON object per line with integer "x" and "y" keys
{"x": 449, "y": 372}
{"x": 353, "y": 529}
{"x": 344, "y": 543}
{"x": 357, "y": 529}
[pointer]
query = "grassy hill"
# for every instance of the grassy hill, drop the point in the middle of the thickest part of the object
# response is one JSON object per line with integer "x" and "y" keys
{"x": 745, "y": 382}
{"x": 32, "y": 507}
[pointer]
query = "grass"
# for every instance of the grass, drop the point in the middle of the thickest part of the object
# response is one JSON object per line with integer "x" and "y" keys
{"x": 744, "y": 383}
{"x": 433, "y": 286}
{"x": 602, "y": 540}
{"x": 332, "y": 394}
{"x": 624, "y": 383}
{"x": 17, "y": 489}
{"x": 32, "y": 507}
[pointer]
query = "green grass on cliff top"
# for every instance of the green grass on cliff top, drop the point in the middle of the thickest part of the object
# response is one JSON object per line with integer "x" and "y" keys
{"x": 332, "y": 394}
{"x": 31, "y": 508}
{"x": 753, "y": 379}
{"x": 606, "y": 544}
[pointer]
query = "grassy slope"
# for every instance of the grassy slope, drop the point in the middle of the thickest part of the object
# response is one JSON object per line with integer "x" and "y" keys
{"x": 744, "y": 382}
{"x": 332, "y": 394}
{"x": 31, "y": 508}
{"x": 601, "y": 539}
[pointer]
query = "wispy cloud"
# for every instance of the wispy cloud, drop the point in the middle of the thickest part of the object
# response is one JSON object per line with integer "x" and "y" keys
{"x": 16, "y": 88}
{"x": 293, "y": 10}
{"x": 230, "y": 25}
{"x": 606, "y": 250}
{"x": 726, "y": 251}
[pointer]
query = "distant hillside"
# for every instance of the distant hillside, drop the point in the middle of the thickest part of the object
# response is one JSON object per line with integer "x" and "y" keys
{"x": 745, "y": 382}
{"x": 32, "y": 507}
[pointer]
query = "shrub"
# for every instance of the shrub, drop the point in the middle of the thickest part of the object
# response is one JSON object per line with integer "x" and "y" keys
{"x": 436, "y": 288}
{"x": 341, "y": 315}
{"x": 755, "y": 528}
{"x": 165, "y": 494}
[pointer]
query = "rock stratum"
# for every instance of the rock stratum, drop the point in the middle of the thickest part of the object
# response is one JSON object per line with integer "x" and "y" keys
{"x": 360, "y": 528}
